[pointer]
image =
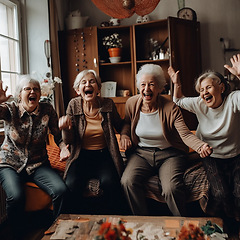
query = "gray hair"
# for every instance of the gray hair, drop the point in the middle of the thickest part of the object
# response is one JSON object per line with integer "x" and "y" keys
{"x": 82, "y": 74}
{"x": 23, "y": 80}
{"x": 154, "y": 70}
{"x": 216, "y": 77}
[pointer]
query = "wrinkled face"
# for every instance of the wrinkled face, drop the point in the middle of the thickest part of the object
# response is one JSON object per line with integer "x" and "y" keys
{"x": 149, "y": 89}
{"x": 88, "y": 87}
{"x": 211, "y": 92}
{"x": 30, "y": 96}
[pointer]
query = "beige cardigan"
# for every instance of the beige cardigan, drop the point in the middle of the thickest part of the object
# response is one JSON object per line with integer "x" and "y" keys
{"x": 174, "y": 128}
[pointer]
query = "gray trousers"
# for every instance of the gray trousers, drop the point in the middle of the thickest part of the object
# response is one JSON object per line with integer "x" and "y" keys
{"x": 169, "y": 164}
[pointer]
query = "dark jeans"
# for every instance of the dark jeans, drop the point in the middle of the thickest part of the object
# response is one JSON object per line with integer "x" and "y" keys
{"x": 224, "y": 179}
{"x": 94, "y": 164}
{"x": 13, "y": 184}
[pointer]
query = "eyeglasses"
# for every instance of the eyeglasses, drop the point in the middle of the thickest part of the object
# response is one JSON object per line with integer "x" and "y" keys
{"x": 29, "y": 89}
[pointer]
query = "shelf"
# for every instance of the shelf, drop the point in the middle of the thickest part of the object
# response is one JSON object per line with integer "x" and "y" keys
{"x": 231, "y": 49}
{"x": 153, "y": 61}
{"x": 119, "y": 63}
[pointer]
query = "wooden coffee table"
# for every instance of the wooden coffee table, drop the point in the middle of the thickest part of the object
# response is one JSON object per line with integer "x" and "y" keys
{"x": 86, "y": 226}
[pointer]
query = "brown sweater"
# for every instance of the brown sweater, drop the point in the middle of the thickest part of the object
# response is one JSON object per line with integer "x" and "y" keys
{"x": 174, "y": 128}
{"x": 111, "y": 121}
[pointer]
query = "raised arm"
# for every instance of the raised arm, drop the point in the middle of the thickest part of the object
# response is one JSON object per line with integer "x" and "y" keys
{"x": 177, "y": 91}
{"x": 235, "y": 69}
{"x": 3, "y": 97}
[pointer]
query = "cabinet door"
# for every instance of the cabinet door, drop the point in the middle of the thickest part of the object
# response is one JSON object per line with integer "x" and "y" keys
{"x": 184, "y": 37}
{"x": 184, "y": 41}
{"x": 79, "y": 51}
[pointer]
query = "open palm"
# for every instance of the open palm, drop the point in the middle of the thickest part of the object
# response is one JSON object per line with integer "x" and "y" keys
{"x": 235, "y": 69}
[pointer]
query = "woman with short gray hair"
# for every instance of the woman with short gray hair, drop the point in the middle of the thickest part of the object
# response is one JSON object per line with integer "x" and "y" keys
{"x": 23, "y": 154}
{"x": 155, "y": 133}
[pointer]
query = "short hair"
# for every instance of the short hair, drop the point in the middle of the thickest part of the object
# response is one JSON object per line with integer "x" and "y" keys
{"x": 154, "y": 70}
{"x": 215, "y": 76}
{"x": 82, "y": 74}
{"x": 23, "y": 80}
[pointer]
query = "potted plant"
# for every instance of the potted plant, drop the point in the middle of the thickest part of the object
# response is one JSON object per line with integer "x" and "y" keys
{"x": 113, "y": 43}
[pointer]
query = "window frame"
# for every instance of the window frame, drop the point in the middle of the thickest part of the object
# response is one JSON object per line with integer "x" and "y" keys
{"x": 21, "y": 26}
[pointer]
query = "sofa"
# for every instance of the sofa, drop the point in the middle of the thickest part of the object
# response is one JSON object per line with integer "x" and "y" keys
{"x": 195, "y": 180}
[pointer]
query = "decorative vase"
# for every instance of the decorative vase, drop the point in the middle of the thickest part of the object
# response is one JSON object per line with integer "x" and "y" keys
{"x": 114, "y": 52}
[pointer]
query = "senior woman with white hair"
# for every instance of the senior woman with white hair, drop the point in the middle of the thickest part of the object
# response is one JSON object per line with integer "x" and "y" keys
{"x": 23, "y": 154}
{"x": 89, "y": 129}
{"x": 155, "y": 131}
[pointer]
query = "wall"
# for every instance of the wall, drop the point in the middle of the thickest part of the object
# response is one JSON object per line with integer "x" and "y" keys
{"x": 218, "y": 18}
{"x": 37, "y": 33}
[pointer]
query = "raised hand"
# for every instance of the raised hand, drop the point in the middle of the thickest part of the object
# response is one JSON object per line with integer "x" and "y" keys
{"x": 3, "y": 97}
{"x": 235, "y": 69}
{"x": 174, "y": 76}
{"x": 65, "y": 123}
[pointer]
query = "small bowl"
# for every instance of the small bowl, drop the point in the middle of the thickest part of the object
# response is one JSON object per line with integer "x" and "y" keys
{"x": 115, "y": 59}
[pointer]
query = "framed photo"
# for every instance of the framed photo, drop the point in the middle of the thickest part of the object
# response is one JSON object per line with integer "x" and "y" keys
{"x": 109, "y": 89}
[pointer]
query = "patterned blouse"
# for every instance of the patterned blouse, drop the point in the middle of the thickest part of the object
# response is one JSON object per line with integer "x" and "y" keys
{"x": 24, "y": 145}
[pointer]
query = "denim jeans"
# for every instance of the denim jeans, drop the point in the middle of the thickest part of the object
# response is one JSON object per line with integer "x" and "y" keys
{"x": 13, "y": 184}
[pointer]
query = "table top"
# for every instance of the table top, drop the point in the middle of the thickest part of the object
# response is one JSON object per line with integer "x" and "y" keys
{"x": 86, "y": 226}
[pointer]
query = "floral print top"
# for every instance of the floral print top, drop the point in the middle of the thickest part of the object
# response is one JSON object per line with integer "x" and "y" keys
{"x": 24, "y": 145}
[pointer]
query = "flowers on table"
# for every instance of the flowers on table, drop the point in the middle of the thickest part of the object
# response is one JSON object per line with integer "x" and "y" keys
{"x": 110, "y": 231}
{"x": 191, "y": 232}
{"x": 112, "y": 41}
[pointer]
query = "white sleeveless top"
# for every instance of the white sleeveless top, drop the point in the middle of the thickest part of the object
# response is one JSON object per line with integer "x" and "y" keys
{"x": 149, "y": 130}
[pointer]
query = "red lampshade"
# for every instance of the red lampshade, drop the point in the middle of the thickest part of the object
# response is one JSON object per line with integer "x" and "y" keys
{"x": 126, "y": 8}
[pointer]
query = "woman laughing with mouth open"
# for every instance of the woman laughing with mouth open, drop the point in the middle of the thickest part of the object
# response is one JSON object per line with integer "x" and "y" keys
{"x": 89, "y": 129}
{"x": 23, "y": 154}
{"x": 218, "y": 114}
{"x": 155, "y": 133}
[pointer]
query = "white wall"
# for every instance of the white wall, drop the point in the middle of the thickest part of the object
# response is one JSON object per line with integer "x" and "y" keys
{"x": 218, "y": 18}
{"x": 37, "y": 33}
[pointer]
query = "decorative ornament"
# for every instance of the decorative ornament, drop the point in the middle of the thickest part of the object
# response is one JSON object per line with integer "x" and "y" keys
{"x": 126, "y": 8}
{"x": 128, "y": 4}
{"x": 80, "y": 53}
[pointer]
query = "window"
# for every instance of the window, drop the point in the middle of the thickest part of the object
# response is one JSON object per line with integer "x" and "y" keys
{"x": 10, "y": 57}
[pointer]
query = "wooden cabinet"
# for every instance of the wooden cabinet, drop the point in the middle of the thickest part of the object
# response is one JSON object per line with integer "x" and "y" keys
{"x": 180, "y": 37}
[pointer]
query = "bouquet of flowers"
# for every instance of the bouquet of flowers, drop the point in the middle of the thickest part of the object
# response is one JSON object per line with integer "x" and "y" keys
{"x": 191, "y": 232}
{"x": 112, "y": 41}
{"x": 109, "y": 231}
{"x": 47, "y": 86}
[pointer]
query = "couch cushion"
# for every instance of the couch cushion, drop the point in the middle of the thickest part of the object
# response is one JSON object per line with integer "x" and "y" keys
{"x": 54, "y": 158}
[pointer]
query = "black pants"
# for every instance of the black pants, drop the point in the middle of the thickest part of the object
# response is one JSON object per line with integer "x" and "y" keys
{"x": 95, "y": 164}
{"x": 224, "y": 179}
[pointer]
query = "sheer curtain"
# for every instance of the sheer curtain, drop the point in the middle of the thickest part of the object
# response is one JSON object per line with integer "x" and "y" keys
{"x": 55, "y": 25}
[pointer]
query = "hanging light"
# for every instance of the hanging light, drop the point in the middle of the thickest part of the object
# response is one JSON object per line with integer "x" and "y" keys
{"x": 47, "y": 50}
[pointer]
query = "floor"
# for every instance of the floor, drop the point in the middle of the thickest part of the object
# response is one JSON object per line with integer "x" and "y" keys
{"x": 38, "y": 223}
{"x": 36, "y": 226}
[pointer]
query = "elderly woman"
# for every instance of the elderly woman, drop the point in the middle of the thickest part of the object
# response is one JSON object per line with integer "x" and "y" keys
{"x": 23, "y": 154}
{"x": 218, "y": 113}
{"x": 89, "y": 129}
{"x": 155, "y": 127}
